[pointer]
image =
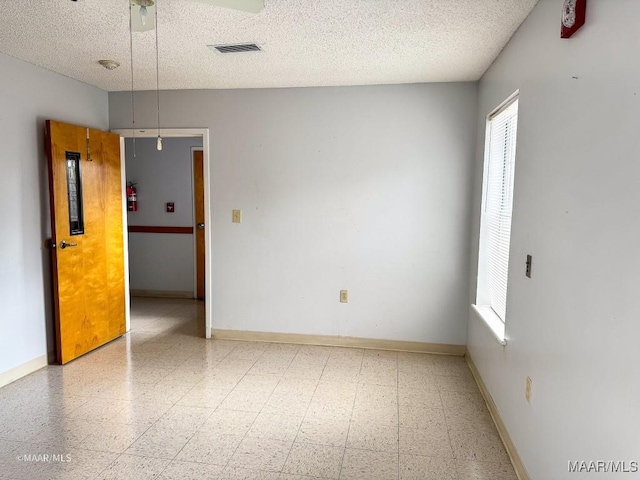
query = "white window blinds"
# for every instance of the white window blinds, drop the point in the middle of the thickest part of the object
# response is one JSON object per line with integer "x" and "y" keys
{"x": 501, "y": 155}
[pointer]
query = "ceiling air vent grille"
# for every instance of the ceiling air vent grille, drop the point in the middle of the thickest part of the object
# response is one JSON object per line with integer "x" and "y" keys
{"x": 243, "y": 47}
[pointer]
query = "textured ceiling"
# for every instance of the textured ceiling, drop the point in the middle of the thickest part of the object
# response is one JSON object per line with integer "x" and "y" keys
{"x": 305, "y": 42}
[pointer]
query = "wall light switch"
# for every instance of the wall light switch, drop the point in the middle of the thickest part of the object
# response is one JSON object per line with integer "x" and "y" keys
{"x": 171, "y": 207}
{"x": 236, "y": 216}
{"x": 528, "y": 269}
{"x": 527, "y": 390}
{"x": 344, "y": 296}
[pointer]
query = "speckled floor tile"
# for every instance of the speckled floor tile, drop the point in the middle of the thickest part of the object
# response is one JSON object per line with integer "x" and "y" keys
{"x": 470, "y": 470}
{"x": 112, "y": 437}
{"x": 234, "y": 473}
{"x": 417, "y": 379}
{"x": 372, "y": 436}
{"x": 304, "y": 370}
{"x": 272, "y": 426}
{"x": 419, "y": 398}
{"x": 133, "y": 467}
{"x": 432, "y": 442}
{"x": 160, "y": 442}
{"x": 285, "y": 404}
{"x": 290, "y": 476}
{"x": 324, "y": 431}
{"x": 478, "y": 444}
{"x": 261, "y": 454}
{"x": 203, "y": 396}
{"x": 229, "y": 422}
{"x": 213, "y": 448}
{"x": 187, "y": 419}
{"x": 419, "y": 416}
{"x": 247, "y": 401}
{"x": 361, "y": 464}
{"x": 178, "y": 470}
{"x": 376, "y": 413}
{"x": 300, "y": 387}
{"x": 162, "y": 394}
{"x": 259, "y": 383}
{"x": 414, "y": 467}
{"x": 314, "y": 460}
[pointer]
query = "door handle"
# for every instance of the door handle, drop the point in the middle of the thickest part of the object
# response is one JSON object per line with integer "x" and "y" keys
{"x": 200, "y": 226}
{"x": 64, "y": 244}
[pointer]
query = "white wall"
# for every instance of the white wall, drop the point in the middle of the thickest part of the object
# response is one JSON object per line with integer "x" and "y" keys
{"x": 161, "y": 262}
{"x": 358, "y": 188}
{"x": 28, "y": 96}
{"x": 574, "y": 327}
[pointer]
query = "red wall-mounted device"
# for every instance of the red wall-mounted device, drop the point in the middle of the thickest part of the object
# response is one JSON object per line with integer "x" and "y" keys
{"x": 573, "y": 17}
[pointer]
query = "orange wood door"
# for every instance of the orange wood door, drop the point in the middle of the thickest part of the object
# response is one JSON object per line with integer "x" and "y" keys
{"x": 198, "y": 192}
{"x": 85, "y": 190}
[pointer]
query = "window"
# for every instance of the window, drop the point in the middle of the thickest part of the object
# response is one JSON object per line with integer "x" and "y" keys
{"x": 497, "y": 204}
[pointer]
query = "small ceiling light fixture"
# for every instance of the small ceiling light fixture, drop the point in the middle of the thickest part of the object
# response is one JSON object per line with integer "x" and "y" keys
{"x": 143, "y": 4}
{"x": 109, "y": 64}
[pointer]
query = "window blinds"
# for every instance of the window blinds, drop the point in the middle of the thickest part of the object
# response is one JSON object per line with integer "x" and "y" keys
{"x": 503, "y": 128}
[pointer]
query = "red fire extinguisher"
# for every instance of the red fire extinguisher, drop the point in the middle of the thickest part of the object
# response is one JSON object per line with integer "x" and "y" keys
{"x": 132, "y": 198}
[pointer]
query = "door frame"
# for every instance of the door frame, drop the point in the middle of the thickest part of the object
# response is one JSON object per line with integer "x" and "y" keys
{"x": 168, "y": 133}
{"x": 195, "y": 241}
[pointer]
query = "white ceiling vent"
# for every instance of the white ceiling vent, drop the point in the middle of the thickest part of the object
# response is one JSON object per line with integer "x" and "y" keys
{"x": 238, "y": 48}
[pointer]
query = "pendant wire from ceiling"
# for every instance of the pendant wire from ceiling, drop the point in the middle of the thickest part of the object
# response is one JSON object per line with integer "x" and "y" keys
{"x": 133, "y": 108}
{"x": 159, "y": 144}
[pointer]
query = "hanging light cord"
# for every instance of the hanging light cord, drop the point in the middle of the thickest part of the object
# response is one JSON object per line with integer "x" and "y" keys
{"x": 157, "y": 71}
{"x": 133, "y": 108}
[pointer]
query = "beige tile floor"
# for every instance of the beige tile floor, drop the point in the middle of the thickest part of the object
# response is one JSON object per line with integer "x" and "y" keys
{"x": 161, "y": 403}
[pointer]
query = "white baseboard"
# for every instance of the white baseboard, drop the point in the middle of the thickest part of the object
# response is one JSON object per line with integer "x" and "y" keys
{"x": 338, "y": 341}
{"x": 160, "y": 293}
{"x": 509, "y": 446}
{"x": 23, "y": 370}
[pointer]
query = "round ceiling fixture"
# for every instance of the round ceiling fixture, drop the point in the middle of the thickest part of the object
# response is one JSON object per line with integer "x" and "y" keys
{"x": 109, "y": 64}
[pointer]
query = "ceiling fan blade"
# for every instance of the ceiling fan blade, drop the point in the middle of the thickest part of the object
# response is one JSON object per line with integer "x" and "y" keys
{"x": 136, "y": 19}
{"x": 251, "y": 6}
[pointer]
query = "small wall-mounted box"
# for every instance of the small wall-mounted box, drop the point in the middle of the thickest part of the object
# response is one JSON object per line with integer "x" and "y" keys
{"x": 171, "y": 208}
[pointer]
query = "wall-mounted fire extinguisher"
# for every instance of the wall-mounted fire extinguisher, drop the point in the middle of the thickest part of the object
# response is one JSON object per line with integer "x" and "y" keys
{"x": 132, "y": 197}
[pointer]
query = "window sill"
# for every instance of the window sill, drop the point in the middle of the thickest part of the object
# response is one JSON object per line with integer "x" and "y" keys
{"x": 492, "y": 321}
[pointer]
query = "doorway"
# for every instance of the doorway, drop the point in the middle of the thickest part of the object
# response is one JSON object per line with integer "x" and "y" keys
{"x": 169, "y": 209}
{"x": 197, "y": 162}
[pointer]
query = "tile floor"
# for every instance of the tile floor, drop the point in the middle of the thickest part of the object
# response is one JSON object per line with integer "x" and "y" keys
{"x": 161, "y": 403}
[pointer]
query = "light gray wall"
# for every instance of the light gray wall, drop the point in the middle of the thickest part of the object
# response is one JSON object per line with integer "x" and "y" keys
{"x": 159, "y": 261}
{"x": 28, "y": 96}
{"x": 573, "y": 327}
{"x": 358, "y": 188}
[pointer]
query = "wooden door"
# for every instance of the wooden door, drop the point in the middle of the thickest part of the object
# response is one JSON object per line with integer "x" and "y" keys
{"x": 86, "y": 203}
{"x": 198, "y": 192}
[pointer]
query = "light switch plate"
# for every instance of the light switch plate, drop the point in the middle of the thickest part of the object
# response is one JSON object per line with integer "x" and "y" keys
{"x": 236, "y": 216}
{"x": 344, "y": 296}
{"x": 527, "y": 390}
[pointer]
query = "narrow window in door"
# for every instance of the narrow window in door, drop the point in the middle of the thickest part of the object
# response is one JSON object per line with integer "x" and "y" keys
{"x": 74, "y": 194}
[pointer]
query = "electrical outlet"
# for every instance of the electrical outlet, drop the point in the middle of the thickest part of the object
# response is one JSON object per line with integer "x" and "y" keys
{"x": 527, "y": 390}
{"x": 344, "y": 296}
{"x": 236, "y": 216}
{"x": 528, "y": 269}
